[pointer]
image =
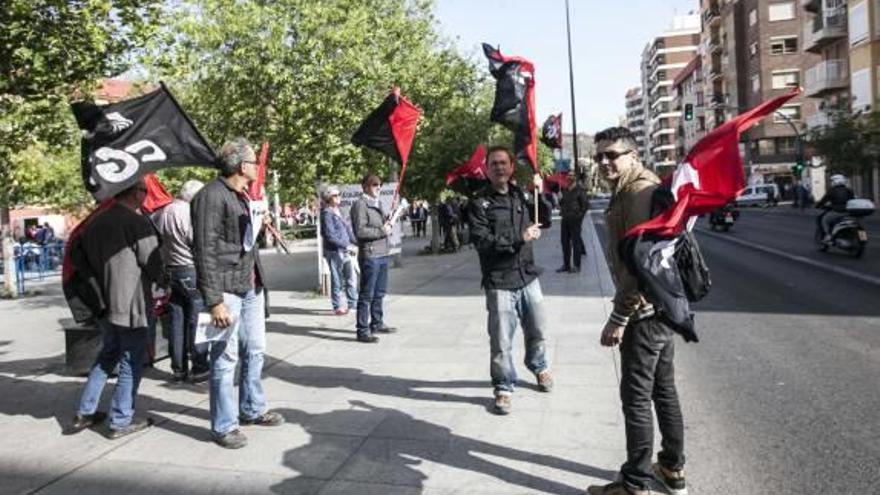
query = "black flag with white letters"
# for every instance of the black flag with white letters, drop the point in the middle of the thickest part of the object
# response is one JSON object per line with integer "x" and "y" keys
{"x": 124, "y": 141}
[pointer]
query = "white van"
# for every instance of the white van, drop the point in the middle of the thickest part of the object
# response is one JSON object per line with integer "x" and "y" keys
{"x": 758, "y": 195}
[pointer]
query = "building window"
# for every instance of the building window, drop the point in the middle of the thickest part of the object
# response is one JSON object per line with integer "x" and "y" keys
{"x": 786, "y": 79}
{"x": 753, "y": 17}
{"x": 753, "y": 49}
{"x": 858, "y": 22}
{"x": 793, "y": 112}
{"x": 780, "y": 11}
{"x": 860, "y": 86}
{"x": 756, "y": 83}
{"x": 783, "y": 46}
{"x": 786, "y": 145}
{"x": 701, "y": 123}
{"x": 766, "y": 147}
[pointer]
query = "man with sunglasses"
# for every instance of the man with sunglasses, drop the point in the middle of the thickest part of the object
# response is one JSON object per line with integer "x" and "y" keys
{"x": 646, "y": 340}
{"x": 502, "y": 229}
{"x": 372, "y": 229}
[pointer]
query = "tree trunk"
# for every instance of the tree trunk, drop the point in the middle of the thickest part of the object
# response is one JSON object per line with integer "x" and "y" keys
{"x": 10, "y": 288}
{"x": 435, "y": 230}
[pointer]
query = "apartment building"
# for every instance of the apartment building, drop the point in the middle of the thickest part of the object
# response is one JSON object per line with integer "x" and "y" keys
{"x": 690, "y": 101}
{"x": 663, "y": 58}
{"x": 754, "y": 50}
{"x": 846, "y": 37}
{"x": 635, "y": 117}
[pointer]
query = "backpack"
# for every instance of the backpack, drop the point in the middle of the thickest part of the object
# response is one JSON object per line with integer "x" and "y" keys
{"x": 692, "y": 268}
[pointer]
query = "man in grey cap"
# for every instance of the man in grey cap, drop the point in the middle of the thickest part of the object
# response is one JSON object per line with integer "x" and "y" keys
{"x": 230, "y": 278}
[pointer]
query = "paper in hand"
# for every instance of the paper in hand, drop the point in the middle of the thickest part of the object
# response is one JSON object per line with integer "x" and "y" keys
{"x": 207, "y": 332}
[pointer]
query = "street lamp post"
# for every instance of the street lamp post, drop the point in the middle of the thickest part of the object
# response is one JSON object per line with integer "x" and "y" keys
{"x": 574, "y": 129}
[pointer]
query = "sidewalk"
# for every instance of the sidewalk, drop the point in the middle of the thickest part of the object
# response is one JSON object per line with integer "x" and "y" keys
{"x": 407, "y": 416}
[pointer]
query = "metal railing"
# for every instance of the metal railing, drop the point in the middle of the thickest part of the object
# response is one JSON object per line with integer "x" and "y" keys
{"x": 36, "y": 261}
{"x": 827, "y": 74}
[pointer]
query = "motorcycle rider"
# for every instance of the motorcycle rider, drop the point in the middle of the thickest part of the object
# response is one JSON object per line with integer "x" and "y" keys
{"x": 836, "y": 198}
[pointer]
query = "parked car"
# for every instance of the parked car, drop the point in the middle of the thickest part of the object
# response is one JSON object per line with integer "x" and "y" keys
{"x": 758, "y": 195}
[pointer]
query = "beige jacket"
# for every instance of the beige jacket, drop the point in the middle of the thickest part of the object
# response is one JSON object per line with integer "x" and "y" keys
{"x": 630, "y": 205}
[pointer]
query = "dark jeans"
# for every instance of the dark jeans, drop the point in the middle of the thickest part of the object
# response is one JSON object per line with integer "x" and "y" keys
{"x": 572, "y": 242}
{"x": 648, "y": 374}
{"x": 374, "y": 282}
{"x": 183, "y": 314}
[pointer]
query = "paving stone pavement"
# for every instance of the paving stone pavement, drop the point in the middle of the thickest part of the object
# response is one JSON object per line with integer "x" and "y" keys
{"x": 407, "y": 416}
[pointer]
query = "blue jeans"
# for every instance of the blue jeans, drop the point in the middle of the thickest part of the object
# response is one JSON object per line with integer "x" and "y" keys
{"x": 374, "y": 282}
{"x": 183, "y": 313}
{"x": 246, "y": 343}
{"x": 506, "y": 308}
{"x": 126, "y": 347}
{"x": 341, "y": 270}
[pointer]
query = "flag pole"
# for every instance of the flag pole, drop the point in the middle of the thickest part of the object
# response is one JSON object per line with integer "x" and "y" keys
{"x": 574, "y": 129}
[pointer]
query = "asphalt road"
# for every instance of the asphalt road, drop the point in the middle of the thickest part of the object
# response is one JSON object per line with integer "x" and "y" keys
{"x": 782, "y": 393}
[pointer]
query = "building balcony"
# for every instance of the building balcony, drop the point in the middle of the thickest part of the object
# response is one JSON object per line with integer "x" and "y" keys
{"x": 826, "y": 76}
{"x": 717, "y": 100}
{"x": 811, "y": 5}
{"x": 818, "y": 120}
{"x": 714, "y": 43}
{"x": 827, "y": 26}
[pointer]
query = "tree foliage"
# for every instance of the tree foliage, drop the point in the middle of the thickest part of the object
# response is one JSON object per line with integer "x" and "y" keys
{"x": 851, "y": 144}
{"x": 51, "y": 50}
{"x": 303, "y": 74}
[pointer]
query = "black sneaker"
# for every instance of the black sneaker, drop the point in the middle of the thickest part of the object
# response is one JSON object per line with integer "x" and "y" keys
{"x": 673, "y": 481}
{"x": 268, "y": 418}
{"x": 178, "y": 376}
{"x": 82, "y": 422}
{"x": 576, "y": 269}
{"x": 135, "y": 426}
{"x": 200, "y": 377}
{"x": 369, "y": 339}
{"x": 562, "y": 269}
{"x": 235, "y": 439}
{"x": 384, "y": 329}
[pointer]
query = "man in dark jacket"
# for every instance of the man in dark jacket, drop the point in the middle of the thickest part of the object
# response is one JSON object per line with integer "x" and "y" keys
{"x": 835, "y": 202}
{"x": 122, "y": 251}
{"x": 573, "y": 206}
{"x": 372, "y": 229}
{"x": 502, "y": 231}
{"x": 230, "y": 278}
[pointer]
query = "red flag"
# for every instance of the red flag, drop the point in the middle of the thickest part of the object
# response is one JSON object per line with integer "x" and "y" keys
{"x": 514, "y": 106}
{"x": 390, "y": 129}
{"x": 561, "y": 178}
{"x": 255, "y": 189}
{"x": 711, "y": 175}
{"x": 157, "y": 196}
{"x": 475, "y": 168}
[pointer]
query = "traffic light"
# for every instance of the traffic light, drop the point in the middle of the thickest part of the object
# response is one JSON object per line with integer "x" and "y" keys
{"x": 798, "y": 168}
{"x": 688, "y": 111}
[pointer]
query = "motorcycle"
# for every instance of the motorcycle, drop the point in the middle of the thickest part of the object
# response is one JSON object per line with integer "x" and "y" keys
{"x": 723, "y": 218}
{"x": 847, "y": 233}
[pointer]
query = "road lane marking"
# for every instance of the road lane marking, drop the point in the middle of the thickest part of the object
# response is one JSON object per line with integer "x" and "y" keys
{"x": 794, "y": 257}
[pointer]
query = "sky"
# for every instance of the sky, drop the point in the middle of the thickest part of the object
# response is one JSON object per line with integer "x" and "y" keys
{"x": 607, "y": 40}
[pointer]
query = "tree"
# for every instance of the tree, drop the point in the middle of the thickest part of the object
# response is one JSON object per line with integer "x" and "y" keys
{"x": 850, "y": 144}
{"x": 49, "y": 49}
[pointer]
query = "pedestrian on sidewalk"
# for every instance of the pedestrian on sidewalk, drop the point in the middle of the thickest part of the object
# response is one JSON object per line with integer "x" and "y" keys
{"x": 231, "y": 280}
{"x": 339, "y": 241}
{"x": 572, "y": 207}
{"x": 502, "y": 231}
{"x": 122, "y": 251}
{"x": 372, "y": 228}
{"x": 174, "y": 224}
{"x": 646, "y": 340}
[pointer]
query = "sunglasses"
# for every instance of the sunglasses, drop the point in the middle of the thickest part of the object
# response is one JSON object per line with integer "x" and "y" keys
{"x": 375, "y": 184}
{"x": 610, "y": 155}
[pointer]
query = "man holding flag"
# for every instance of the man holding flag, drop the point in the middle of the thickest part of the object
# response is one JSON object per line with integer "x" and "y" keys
{"x": 503, "y": 231}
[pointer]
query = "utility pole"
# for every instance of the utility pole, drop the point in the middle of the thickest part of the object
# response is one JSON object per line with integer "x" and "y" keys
{"x": 574, "y": 129}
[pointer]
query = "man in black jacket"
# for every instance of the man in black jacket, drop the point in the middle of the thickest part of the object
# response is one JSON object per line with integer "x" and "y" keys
{"x": 573, "y": 206}
{"x": 230, "y": 278}
{"x": 502, "y": 232}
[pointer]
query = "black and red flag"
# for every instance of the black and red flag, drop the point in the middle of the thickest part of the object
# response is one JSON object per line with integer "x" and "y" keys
{"x": 514, "y": 106}
{"x": 390, "y": 129}
{"x": 551, "y": 132}
{"x": 124, "y": 141}
{"x": 475, "y": 168}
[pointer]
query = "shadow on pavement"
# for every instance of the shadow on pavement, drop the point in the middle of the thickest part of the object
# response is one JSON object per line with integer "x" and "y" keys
{"x": 314, "y": 332}
{"x": 390, "y": 458}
